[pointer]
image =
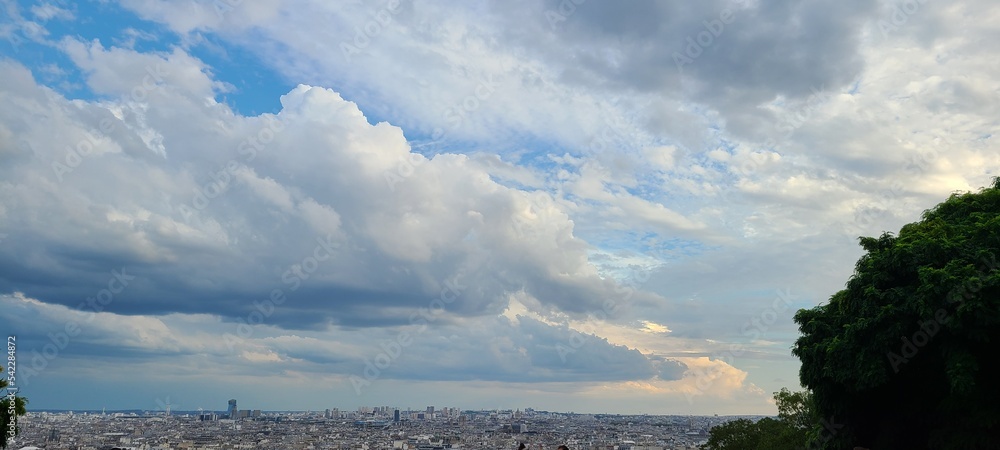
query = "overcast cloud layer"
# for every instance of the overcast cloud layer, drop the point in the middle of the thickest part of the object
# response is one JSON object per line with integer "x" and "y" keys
{"x": 566, "y": 205}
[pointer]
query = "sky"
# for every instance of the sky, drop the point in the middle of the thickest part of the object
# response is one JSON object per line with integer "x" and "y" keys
{"x": 566, "y": 205}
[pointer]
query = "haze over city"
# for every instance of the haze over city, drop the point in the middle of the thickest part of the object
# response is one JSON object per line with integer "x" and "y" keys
{"x": 566, "y": 205}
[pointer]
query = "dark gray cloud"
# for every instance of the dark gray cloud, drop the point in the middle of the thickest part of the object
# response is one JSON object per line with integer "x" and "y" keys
{"x": 729, "y": 55}
{"x": 492, "y": 349}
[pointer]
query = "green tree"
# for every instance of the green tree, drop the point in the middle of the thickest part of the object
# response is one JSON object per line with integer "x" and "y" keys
{"x": 19, "y": 410}
{"x": 737, "y": 434}
{"x": 796, "y": 408}
{"x": 790, "y": 431}
{"x": 899, "y": 357}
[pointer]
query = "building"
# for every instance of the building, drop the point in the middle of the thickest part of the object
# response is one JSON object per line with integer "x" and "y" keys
{"x": 232, "y": 409}
{"x": 395, "y": 416}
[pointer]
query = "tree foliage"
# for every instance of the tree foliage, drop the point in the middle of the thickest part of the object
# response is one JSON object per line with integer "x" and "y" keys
{"x": 19, "y": 410}
{"x": 790, "y": 431}
{"x": 899, "y": 356}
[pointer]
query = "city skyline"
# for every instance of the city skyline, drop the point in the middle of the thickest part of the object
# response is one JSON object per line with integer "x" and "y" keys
{"x": 364, "y": 411}
{"x": 577, "y": 205}
{"x": 470, "y": 430}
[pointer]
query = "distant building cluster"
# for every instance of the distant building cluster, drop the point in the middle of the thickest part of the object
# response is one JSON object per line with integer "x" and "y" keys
{"x": 367, "y": 428}
{"x": 232, "y": 413}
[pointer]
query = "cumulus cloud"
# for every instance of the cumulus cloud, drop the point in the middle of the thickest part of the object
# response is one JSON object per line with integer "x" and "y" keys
{"x": 194, "y": 209}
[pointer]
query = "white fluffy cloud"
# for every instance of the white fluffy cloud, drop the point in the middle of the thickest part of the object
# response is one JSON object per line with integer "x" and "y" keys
{"x": 178, "y": 183}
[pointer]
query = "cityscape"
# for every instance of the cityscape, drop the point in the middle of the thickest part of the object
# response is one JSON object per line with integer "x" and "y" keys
{"x": 366, "y": 428}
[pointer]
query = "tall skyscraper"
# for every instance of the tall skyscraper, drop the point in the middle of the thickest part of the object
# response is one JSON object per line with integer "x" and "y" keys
{"x": 232, "y": 408}
{"x": 395, "y": 416}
